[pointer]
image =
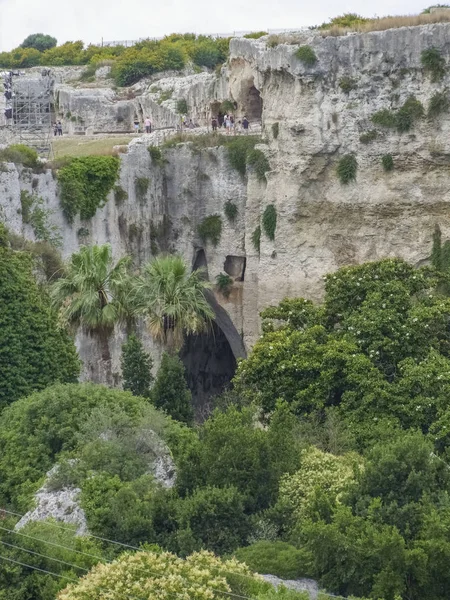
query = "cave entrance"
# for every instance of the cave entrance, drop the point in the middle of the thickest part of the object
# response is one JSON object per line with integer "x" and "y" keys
{"x": 210, "y": 366}
{"x": 200, "y": 262}
{"x": 253, "y": 104}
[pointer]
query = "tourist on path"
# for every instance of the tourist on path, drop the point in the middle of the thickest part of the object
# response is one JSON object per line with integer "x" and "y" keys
{"x": 148, "y": 125}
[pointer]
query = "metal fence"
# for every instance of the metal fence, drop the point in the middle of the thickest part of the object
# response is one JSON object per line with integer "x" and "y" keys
{"x": 128, "y": 43}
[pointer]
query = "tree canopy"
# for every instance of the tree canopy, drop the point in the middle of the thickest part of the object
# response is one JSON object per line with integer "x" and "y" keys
{"x": 39, "y": 41}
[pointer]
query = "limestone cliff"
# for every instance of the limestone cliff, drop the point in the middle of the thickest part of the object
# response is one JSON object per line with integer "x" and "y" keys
{"x": 308, "y": 123}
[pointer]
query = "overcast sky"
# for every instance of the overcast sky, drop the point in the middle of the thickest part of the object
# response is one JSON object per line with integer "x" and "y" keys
{"x": 92, "y": 20}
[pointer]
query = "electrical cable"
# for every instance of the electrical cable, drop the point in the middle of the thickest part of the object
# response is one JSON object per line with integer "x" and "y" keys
{"x": 63, "y": 562}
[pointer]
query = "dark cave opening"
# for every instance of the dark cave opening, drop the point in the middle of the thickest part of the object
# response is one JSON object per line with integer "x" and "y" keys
{"x": 210, "y": 366}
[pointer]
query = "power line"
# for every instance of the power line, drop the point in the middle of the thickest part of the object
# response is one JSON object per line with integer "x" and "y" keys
{"x": 17, "y": 562}
{"x": 100, "y": 558}
{"x": 63, "y": 562}
{"x": 51, "y": 524}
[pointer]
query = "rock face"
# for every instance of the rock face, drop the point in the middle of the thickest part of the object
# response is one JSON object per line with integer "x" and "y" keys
{"x": 308, "y": 124}
{"x": 299, "y": 585}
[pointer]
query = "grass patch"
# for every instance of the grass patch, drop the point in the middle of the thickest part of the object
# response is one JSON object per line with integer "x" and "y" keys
{"x": 306, "y": 55}
{"x": 439, "y": 103}
{"x": 238, "y": 150}
{"x": 383, "y": 23}
{"x": 256, "y": 238}
{"x": 20, "y": 154}
{"x": 346, "y": 168}
{"x": 231, "y": 210}
{"x": 387, "y": 161}
{"x": 210, "y": 229}
{"x": 255, "y": 35}
{"x": 98, "y": 146}
{"x": 224, "y": 284}
{"x": 368, "y": 136}
{"x": 257, "y": 161}
{"x": 165, "y": 95}
{"x": 347, "y": 84}
{"x": 275, "y": 130}
{"x": 269, "y": 221}
{"x": 433, "y": 63}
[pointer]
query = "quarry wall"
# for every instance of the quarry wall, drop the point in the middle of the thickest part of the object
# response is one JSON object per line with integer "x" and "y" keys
{"x": 308, "y": 123}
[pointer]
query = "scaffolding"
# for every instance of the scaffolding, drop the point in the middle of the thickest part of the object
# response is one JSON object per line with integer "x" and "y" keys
{"x": 29, "y": 110}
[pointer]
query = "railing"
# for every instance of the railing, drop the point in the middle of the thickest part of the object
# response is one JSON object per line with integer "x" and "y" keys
{"x": 128, "y": 43}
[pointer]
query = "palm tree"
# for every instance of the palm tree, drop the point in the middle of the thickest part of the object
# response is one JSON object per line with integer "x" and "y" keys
{"x": 93, "y": 293}
{"x": 172, "y": 300}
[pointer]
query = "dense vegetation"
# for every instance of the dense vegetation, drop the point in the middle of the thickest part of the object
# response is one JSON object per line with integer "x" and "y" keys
{"x": 328, "y": 459}
{"x": 145, "y": 58}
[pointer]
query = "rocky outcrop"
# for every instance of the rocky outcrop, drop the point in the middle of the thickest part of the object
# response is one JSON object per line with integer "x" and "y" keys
{"x": 299, "y": 585}
{"x": 308, "y": 123}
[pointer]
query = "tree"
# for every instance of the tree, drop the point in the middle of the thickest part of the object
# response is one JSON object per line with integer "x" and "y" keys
{"x": 92, "y": 294}
{"x": 34, "y": 351}
{"x": 36, "y": 429}
{"x": 172, "y": 300}
{"x": 136, "y": 368}
{"x": 212, "y": 518}
{"x": 39, "y": 41}
{"x": 170, "y": 392}
{"x": 146, "y": 575}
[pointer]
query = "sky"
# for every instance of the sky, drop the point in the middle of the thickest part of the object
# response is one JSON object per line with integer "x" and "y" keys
{"x": 92, "y": 20}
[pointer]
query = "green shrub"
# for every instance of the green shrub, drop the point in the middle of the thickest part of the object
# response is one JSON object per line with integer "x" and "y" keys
{"x": 120, "y": 195}
{"x": 170, "y": 392}
{"x": 269, "y": 221}
{"x": 434, "y": 63}
{"x": 368, "y": 136}
{"x": 256, "y": 238}
{"x": 387, "y": 161}
{"x": 402, "y": 119}
{"x": 231, "y": 210}
{"x": 257, "y": 161}
{"x": 212, "y": 518}
{"x": 275, "y": 130}
{"x": 224, "y": 283}
{"x": 306, "y": 55}
{"x": 165, "y": 95}
{"x": 237, "y": 151}
{"x": 385, "y": 118}
{"x": 182, "y": 107}
{"x": 35, "y": 351}
{"x": 83, "y": 232}
{"x": 20, "y": 154}
{"x": 155, "y": 153}
{"x": 136, "y": 367}
{"x": 35, "y": 214}
{"x": 439, "y": 103}
{"x": 278, "y": 558}
{"x": 85, "y": 183}
{"x": 210, "y": 229}
{"x": 255, "y": 35}
{"x": 346, "y": 169}
{"x": 141, "y": 187}
{"x": 347, "y": 84}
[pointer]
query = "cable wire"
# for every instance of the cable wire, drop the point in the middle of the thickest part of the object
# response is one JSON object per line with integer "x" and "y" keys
{"x": 63, "y": 562}
{"x": 17, "y": 562}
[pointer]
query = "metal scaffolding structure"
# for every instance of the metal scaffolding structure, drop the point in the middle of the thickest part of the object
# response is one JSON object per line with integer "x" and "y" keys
{"x": 29, "y": 110}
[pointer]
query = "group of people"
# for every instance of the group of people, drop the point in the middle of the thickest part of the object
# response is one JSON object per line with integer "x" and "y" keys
{"x": 147, "y": 125}
{"x": 57, "y": 128}
{"x": 229, "y": 123}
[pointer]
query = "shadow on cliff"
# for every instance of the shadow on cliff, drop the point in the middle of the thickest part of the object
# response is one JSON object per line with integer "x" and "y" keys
{"x": 210, "y": 359}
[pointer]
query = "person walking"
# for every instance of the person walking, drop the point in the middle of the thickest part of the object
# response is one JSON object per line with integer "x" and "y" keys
{"x": 136, "y": 125}
{"x": 245, "y": 124}
{"x": 148, "y": 125}
{"x": 55, "y": 129}
{"x": 214, "y": 124}
{"x": 59, "y": 127}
